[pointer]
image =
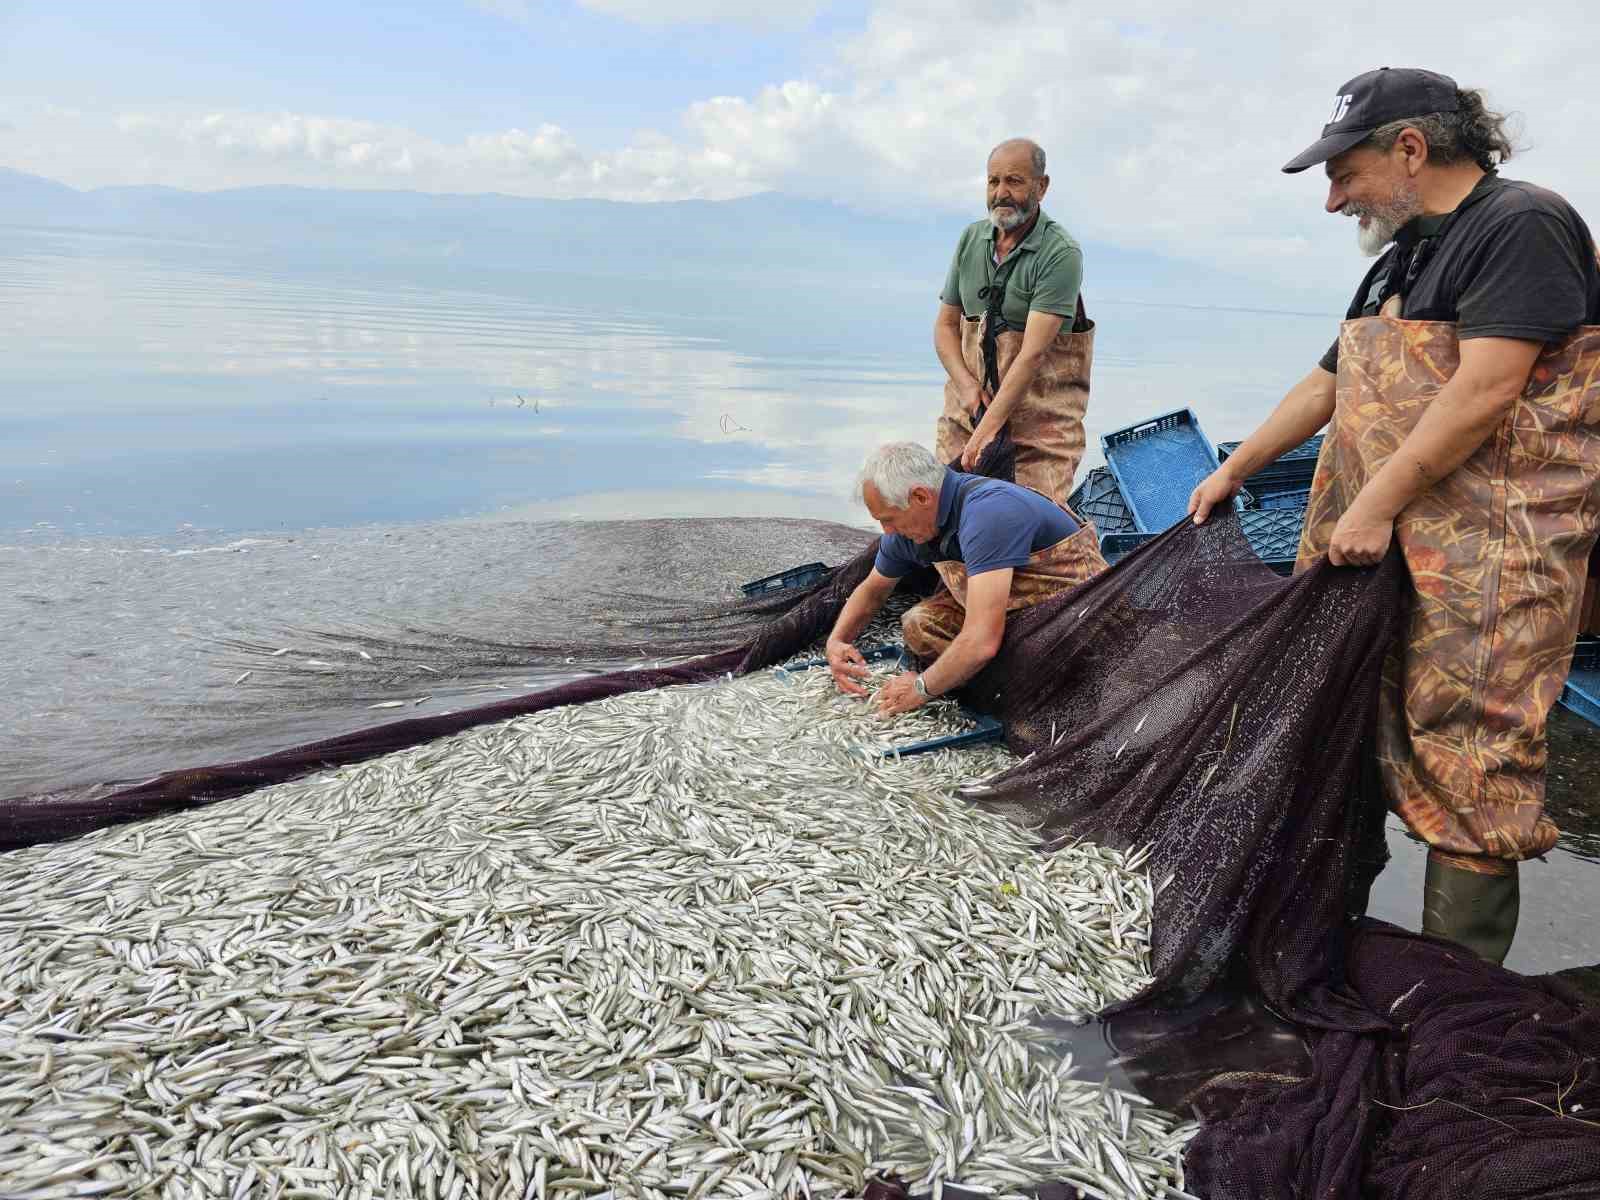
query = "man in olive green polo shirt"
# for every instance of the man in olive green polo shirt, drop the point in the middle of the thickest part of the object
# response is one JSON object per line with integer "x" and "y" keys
{"x": 1011, "y": 331}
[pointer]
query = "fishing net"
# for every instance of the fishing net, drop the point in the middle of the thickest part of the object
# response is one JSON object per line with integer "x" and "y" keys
{"x": 746, "y": 636}
{"x": 1188, "y": 690}
{"x": 28, "y": 820}
{"x": 1190, "y": 700}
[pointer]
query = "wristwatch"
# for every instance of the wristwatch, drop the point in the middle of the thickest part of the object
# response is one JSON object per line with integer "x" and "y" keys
{"x": 922, "y": 688}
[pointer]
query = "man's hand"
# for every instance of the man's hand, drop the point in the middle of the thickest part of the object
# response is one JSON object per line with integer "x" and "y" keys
{"x": 1462, "y": 415}
{"x": 974, "y": 397}
{"x": 1219, "y": 487}
{"x": 899, "y": 695}
{"x": 847, "y": 667}
{"x": 978, "y": 443}
{"x": 1360, "y": 540}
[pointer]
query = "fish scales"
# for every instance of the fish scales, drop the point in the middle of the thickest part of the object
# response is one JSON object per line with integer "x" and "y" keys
{"x": 689, "y": 938}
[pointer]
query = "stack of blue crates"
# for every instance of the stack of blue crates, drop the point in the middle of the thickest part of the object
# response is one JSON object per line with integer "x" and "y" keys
{"x": 1582, "y": 693}
{"x": 1144, "y": 486}
{"x": 1157, "y": 464}
{"x": 1152, "y": 467}
{"x": 1099, "y": 499}
{"x": 1285, "y": 483}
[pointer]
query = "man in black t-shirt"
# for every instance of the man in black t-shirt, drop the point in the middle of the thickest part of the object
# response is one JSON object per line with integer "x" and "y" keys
{"x": 1464, "y": 416}
{"x": 1518, "y": 262}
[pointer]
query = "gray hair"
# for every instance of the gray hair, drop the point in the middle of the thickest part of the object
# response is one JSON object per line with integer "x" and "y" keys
{"x": 1036, "y": 150}
{"x": 1473, "y": 133}
{"x": 894, "y": 469}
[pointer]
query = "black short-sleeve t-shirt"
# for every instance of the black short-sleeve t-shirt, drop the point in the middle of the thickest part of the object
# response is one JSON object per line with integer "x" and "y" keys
{"x": 1515, "y": 261}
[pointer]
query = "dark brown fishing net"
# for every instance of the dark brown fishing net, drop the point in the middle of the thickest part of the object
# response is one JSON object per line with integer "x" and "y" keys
{"x": 1479, "y": 1083}
{"x": 1192, "y": 700}
{"x": 783, "y": 624}
{"x": 27, "y": 820}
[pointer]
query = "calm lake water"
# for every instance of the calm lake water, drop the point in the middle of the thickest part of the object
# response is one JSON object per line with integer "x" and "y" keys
{"x": 208, "y": 455}
{"x": 150, "y": 388}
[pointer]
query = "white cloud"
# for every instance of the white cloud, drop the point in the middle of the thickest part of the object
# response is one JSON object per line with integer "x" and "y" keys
{"x": 1164, "y": 130}
{"x": 240, "y": 148}
{"x": 361, "y": 146}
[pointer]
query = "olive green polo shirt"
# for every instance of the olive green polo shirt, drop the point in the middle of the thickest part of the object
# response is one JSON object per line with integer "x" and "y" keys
{"x": 1046, "y": 279}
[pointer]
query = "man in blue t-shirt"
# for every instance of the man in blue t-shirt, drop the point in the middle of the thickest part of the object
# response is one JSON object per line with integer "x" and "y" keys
{"x": 999, "y": 547}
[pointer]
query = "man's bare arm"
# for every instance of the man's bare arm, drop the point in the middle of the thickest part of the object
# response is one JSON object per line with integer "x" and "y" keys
{"x": 1037, "y": 335}
{"x": 1468, "y": 408}
{"x": 947, "y": 344}
{"x": 1306, "y": 408}
{"x": 981, "y": 633}
{"x": 844, "y": 660}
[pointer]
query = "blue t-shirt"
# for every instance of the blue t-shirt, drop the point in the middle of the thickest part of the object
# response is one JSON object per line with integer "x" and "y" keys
{"x": 998, "y": 525}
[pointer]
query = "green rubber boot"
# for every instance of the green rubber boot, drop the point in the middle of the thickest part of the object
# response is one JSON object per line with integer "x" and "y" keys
{"x": 1477, "y": 911}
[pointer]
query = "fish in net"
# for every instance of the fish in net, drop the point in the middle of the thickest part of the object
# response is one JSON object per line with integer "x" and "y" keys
{"x": 1191, "y": 701}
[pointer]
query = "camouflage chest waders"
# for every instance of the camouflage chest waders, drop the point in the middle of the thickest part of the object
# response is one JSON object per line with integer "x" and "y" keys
{"x": 1498, "y": 552}
{"x": 1047, "y": 423}
{"x": 932, "y": 625}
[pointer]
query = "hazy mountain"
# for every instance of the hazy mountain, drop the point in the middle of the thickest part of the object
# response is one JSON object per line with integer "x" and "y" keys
{"x": 769, "y": 239}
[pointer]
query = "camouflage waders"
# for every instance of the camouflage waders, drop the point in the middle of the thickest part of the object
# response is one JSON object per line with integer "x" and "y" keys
{"x": 1498, "y": 552}
{"x": 1047, "y": 423}
{"x": 932, "y": 625}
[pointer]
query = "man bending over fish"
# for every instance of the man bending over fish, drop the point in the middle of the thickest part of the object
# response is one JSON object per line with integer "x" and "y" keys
{"x": 997, "y": 546}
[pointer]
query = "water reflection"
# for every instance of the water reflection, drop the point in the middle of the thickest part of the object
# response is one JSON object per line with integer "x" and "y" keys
{"x": 182, "y": 395}
{"x": 142, "y": 655}
{"x": 150, "y": 384}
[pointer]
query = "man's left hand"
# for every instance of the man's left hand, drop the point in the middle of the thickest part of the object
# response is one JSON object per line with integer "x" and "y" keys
{"x": 1360, "y": 540}
{"x": 899, "y": 695}
{"x": 978, "y": 443}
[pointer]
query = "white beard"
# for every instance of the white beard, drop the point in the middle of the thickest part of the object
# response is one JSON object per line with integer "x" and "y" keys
{"x": 1374, "y": 236}
{"x": 1384, "y": 220}
{"x": 1014, "y": 218}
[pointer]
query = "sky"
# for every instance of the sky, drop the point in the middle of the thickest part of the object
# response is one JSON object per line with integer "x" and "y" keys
{"x": 1165, "y": 122}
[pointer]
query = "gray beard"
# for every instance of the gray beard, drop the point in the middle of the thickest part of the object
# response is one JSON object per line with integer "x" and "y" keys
{"x": 1015, "y": 218}
{"x": 1375, "y": 235}
{"x": 1384, "y": 220}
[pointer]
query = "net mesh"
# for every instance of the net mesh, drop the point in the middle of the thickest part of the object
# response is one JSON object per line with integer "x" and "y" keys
{"x": 1191, "y": 689}
{"x": 1190, "y": 700}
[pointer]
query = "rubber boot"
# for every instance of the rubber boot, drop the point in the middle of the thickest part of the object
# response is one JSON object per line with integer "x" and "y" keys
{"x": 1475, "y": 910}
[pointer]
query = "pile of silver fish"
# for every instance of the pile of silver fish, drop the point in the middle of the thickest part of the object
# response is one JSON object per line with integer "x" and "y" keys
{"x": 699, "y": 942}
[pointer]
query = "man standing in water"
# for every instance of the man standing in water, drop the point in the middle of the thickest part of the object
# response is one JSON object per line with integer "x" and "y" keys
{"x": 1011, "y": 331}
{"x": 1464, "y": 395}
{"x": 997, "y": 546}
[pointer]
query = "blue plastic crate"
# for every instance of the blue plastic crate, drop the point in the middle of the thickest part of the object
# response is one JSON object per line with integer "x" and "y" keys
{"x": 794, "y": 577}
{"x": 1117, "y": 545}
{"x": 1274, "y": 533}
{"x": 1308, "y": 449}
{"x": 1157, "y": 464}
{"x": 1586, "y": 654}
{"x": 892, "y": 650}
{"x": 1582, "y": 695}
{"x": 1293, "y": 498}
{"x": 1099, "y": 499}
{"x": 1285, "y": 483}
{"x": 984, "y": 729}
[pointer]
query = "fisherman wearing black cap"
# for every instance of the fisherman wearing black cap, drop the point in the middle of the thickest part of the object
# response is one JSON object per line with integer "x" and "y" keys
{"x": 1464, "y": 399}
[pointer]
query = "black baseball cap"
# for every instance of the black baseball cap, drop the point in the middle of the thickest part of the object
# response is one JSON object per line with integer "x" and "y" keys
{"x": 1374, "y": 99}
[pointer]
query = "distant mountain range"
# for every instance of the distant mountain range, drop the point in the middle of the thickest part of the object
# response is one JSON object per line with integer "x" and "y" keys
{"x": 771, "y": 238}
